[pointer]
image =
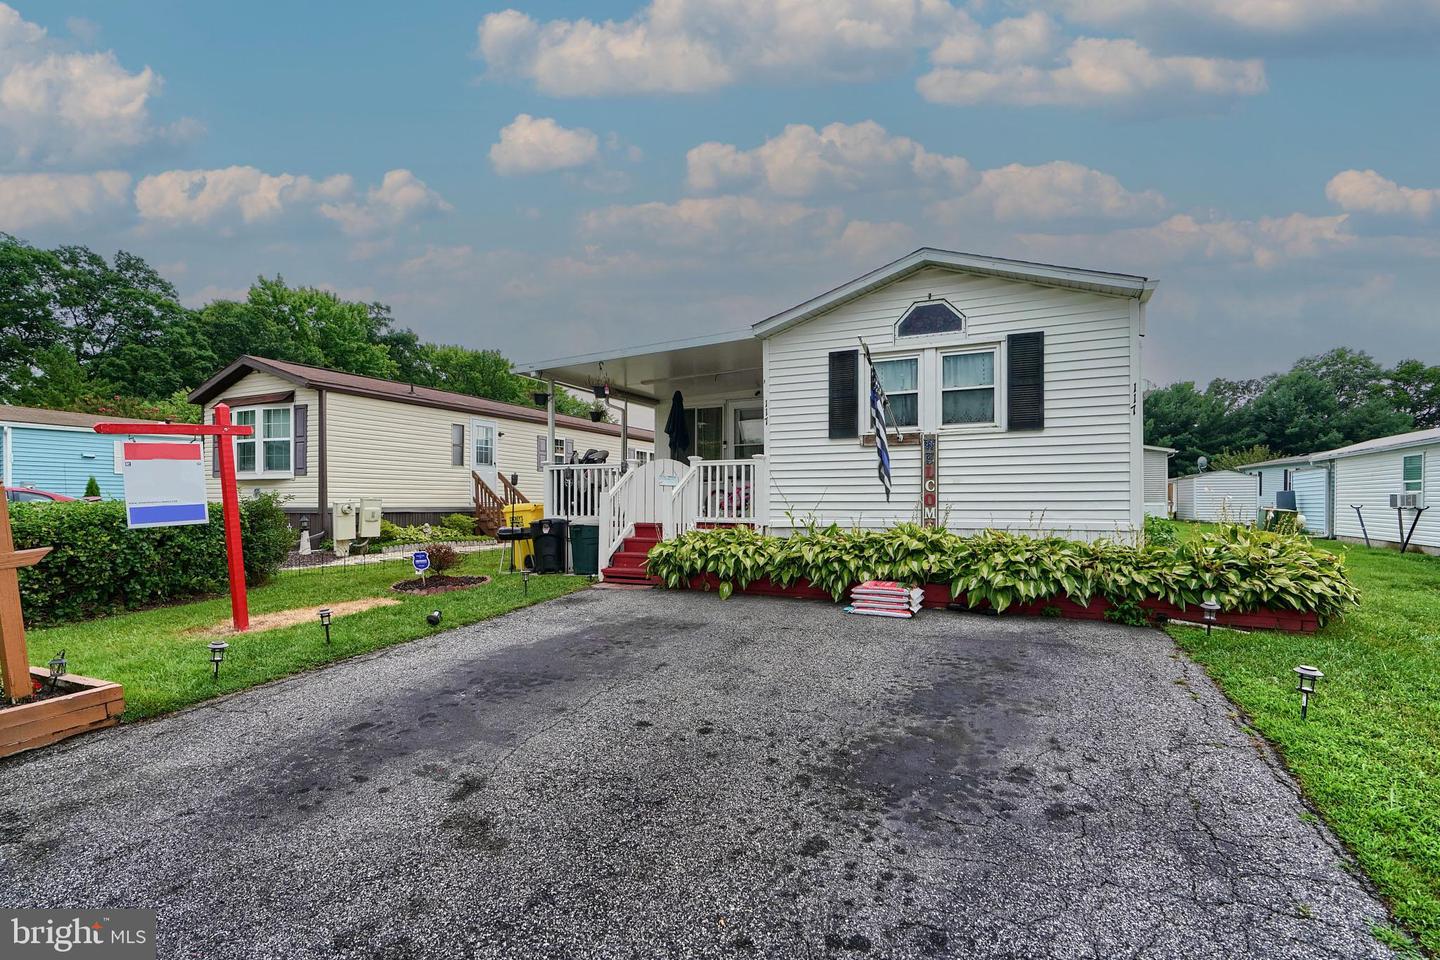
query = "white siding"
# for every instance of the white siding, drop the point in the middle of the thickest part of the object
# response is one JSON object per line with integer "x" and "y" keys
{"x": 400, "y": 452}
{"x": 303, "y": 491}
{"x": 1081, "y": 475}
{"x": 1218, "y": 495}
{"x": 1368, "y": 480}
{"x": 1157, "y": 471}
{"x": 1270, "y": 479}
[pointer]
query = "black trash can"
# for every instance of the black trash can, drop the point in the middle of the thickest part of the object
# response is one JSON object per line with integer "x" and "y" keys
{"x": 550, "y": 535}
{"x": 585, "y": 549}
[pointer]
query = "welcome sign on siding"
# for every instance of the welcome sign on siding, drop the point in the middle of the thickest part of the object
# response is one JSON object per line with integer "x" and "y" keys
{"x": 164, "y": 485}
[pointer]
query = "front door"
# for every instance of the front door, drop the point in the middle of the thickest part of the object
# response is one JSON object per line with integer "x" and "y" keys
{"x": 483, "y": 437}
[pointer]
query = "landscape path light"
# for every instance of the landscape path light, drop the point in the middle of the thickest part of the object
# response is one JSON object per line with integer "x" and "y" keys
{"x": 1211, "y": 614}
{"x": 57, "y": 669}
{"x": 217, "y": 654}
{"x": 1308, "y": 676}
{"x": 433, "y": 618}
{"x": 325, "y": 622}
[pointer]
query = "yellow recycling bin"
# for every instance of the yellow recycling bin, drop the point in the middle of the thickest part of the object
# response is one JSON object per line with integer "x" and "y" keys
{"x": 520, "y": 554}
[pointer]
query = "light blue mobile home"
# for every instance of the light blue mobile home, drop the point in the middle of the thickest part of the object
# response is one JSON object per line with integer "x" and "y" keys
{"x": 58, "y": 451}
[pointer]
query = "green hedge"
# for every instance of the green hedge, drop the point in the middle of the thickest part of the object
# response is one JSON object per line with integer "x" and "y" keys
{"x": 1239, "y": 567}
{"x": 98, "y": 566}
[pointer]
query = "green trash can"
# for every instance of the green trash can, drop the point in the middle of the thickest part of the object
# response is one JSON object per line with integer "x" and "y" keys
{"x": 585, "y": 549}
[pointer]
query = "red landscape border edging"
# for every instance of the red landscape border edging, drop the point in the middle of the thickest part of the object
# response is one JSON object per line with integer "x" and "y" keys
{"x": 937, "y": 595}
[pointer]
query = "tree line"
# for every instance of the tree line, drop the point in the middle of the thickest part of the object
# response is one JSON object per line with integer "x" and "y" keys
{"x": 1337, "y": 398}
{"x": 78, "y": 332}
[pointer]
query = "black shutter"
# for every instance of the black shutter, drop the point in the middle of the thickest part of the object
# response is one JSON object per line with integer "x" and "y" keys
{"x": 1025, "y": 381}
{"x": 300, "y": 423}
{"x": 844, "y": 394}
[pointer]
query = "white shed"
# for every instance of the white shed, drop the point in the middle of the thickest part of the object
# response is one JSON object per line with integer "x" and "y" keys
{"x": 1367, "y": 474}
{"x": 1220, "y": 495}
{"x": 1157, "y": 476}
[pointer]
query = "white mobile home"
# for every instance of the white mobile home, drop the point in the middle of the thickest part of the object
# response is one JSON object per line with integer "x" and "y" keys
{"x": 1365, "y": 476}
{"x": 1015, "y": 387}
{"x": 323, "y": 436}
{"x": 1157, "y": 481}
{"x": 1217, "y": 496}
{"x": 1309, "y": 482}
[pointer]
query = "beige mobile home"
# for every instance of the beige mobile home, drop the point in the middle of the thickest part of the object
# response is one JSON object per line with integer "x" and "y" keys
{"x": 323, "y": 436}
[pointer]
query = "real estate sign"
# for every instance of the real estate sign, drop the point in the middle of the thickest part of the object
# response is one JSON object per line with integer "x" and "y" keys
{"x": 164, "y": 485}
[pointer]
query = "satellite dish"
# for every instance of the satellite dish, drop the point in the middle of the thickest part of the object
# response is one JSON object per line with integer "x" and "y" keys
{"x": 1202, "y": 462}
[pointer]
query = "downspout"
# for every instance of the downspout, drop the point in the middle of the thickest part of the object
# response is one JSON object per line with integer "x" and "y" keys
{"x": 323, "y": 466}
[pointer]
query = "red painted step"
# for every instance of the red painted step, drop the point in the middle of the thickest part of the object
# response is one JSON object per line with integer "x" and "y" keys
{"x": 627, "y": 575}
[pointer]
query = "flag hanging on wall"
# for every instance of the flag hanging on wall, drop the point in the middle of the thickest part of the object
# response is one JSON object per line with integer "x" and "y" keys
{"x": 879, "y": 415}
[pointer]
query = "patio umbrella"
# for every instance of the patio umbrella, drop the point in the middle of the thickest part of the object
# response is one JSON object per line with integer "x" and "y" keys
{"x": 677, "y": 429}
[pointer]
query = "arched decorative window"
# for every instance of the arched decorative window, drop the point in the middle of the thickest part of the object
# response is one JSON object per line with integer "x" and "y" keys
{"x": 930, "y": 317}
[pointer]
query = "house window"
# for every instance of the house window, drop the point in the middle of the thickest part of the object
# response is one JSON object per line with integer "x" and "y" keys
{"x": 901, "y": 382}
{"x": 484, "y": 434}
{"x": 930, "y": 317}
{"x": 642, "y": 456}
{"x": 967, "y": 388}
{"x": 1413, "y": 473}
{"x": 270, "y": 448}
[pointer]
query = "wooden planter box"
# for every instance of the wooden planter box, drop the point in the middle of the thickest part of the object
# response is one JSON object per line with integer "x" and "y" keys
{"x": 88, "y": 705}
{"x": 937, "y": 595}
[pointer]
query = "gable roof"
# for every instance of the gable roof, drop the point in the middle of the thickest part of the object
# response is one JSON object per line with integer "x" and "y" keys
{"x": 1050, "y": 275}
{"x": 322, "y": 378}
{"x": 1414, "y": 438}
{"x": 43, "y": 417}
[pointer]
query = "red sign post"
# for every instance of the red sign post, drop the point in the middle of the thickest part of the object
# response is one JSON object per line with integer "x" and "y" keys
{"x": 229, "y": 495}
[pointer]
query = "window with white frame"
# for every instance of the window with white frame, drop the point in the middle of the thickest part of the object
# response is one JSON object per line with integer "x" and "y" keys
{"x": 900, "y": 379}
{"x": 967, "y": 387}
{"x": 1413, "y": 473}
{"x": 270, "y": 449}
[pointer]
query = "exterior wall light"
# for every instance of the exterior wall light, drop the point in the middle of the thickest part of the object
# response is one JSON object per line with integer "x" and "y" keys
{"x": 1308, "y": 676}
{"x": 325, "y": 622}
{"x": 217, "y": 654}
{"x": 1210, "y": 614}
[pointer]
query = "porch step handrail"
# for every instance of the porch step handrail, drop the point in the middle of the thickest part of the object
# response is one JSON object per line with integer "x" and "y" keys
{"x": 684, "y": 502}
{"x": 617, "y": 516}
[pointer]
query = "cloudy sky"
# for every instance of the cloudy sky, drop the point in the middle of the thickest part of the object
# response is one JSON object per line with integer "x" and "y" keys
{"x": 544, "y": 183}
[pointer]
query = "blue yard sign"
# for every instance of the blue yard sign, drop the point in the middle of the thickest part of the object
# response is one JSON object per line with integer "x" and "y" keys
{"x": 421, "y": 559}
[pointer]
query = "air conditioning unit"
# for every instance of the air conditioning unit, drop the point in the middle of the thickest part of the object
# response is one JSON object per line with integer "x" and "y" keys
{"x": 1407, "y": 501}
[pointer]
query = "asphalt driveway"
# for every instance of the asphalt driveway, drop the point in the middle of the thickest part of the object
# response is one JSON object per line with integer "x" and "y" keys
{"x": 637, "y": 774}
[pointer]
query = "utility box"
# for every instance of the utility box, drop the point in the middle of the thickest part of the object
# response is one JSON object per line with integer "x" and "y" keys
{"x": 369, "y": 517}
{"x": 344, "y": 521}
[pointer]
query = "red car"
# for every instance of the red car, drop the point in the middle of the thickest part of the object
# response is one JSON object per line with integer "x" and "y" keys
{"x": 26, "y": 494}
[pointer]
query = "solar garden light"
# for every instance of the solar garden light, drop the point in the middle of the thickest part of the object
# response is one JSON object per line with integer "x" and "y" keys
{"x": 1211, "y": 614}
{"x": 433, "y": 618}
{"x": 217, "y": 654}
{"x": 325, "y": 622}
{"x": 525, "y": 579}
{"x": 57, "y": 669}
{"x": 1308, "y": 676}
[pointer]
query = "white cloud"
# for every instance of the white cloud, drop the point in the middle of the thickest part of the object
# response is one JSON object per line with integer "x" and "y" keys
{"x": 1050, "y": 191}
{"x": 439, "y": 259}
{"x": 223, "y": 197}
{"x": 1365, "y": 191}
{"x": 1096, "y": 72}
{"x": 715, "y": 224}
{"x": 686, "y": 46}
{"x": 539, "y": 145}
{"x": 67, "y": 107}
{"x": 201, "y": 197}
{"x": 400, "y": 197}
{"x": 1263, "y": 20}
{"x": 864, "y": 241}
{"x": 35, "y": 199}
{"x": 803, "y": 161}
{"x": 1263, "y": 243}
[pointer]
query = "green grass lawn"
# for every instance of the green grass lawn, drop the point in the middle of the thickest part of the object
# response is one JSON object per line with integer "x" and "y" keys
{"x": 165, "y": 665}
{"x": 1369, "y": 756}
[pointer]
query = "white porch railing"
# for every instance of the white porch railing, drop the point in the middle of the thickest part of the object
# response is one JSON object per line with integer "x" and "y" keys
{"x": 573, "y": 490}
{"x": 618, "y": 511}
{"x": 717, "y": 492}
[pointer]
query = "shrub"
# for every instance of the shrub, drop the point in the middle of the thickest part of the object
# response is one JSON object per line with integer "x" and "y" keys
{"x": 92, "y": 488}
{"x": 1160, "y": 532}
{"x": 442, "y": 556}
{"x": 462, "y": 523}
{"x": 1239, "y": 567}
{"x": 98, "y": 566}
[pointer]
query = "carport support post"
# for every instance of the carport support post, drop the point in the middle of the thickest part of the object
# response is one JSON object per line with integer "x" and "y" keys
{"x": 550, "y": 428}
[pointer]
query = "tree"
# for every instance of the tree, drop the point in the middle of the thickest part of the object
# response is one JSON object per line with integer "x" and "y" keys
{"x": 1231, "y": 459}
{"x": 1352, "y": 375}
{"x": 1414, "y": 388}
{"x": 92, "y": 488}
{"x": 1187, "y": 419}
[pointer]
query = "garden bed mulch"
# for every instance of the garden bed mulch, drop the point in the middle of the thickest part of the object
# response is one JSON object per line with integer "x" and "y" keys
{"x": 937, "y": 595}
{"x": 439, "y": 583}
